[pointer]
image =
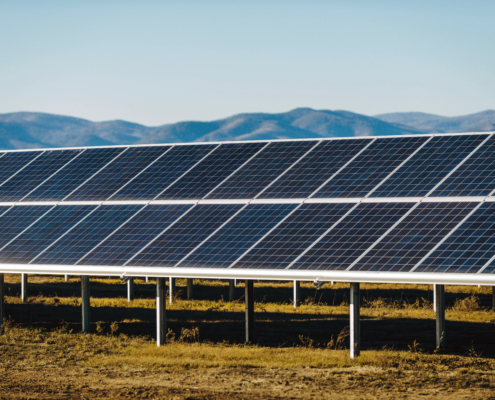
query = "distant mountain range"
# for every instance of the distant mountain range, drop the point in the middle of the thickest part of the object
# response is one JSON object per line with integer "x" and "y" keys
{"x": 37, "y": 130}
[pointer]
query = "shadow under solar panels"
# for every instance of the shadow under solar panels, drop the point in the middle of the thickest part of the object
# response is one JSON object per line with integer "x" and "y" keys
{"x": 288, "y": 240}
{"x": 372, "y": 166}
{"x": 118, "y": 173}
{"x": 35, "y": 173}
{"x": 476, "y": 177}
{"x": 144, "y": 226}
{"x": 414, "y": 237}
{"x": 314, "y": 169}
{"x": 185, "y": 235}
{"x": 10, "y": 163}
{"x": 43, "y": 233}
{"x": 429, "y": 166}
{"x": 338, "y": 249}
{"x": 87, "y": 234}
{"x": 237, "y": 236}
{"x": 68, "y": 179}
{"x": 469, "y": 247}
{"x": 262, "y": 170}
{"x": 164, "y": 172}
{"x": 207, "y": 175}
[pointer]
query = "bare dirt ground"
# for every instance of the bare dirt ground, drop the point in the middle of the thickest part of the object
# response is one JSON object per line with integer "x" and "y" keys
{"x": 297, "y": 355}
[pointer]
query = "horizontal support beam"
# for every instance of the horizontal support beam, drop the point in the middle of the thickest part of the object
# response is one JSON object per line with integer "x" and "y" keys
{"x": 262, "y": 274}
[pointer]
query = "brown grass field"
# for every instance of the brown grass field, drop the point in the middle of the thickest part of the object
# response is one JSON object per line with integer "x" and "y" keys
{"x": 300, "y": 353}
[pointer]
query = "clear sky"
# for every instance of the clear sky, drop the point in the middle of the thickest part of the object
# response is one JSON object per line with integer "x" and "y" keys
{"x": 157, "y": 62}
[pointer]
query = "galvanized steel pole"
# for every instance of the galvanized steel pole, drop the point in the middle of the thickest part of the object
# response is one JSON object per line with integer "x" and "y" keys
{"x": 355, "y": 323}
{"x": 161, "y": 305}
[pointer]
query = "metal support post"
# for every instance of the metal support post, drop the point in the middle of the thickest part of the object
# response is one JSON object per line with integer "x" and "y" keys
{"x": 493, "y": 298}
{"x": 435, "y": 298}
{"x": 232, "y": 289}
{"x": 67, "y": 278}
{"x": 161, "y": 304}
{"x": 24, "y": 289}
{"x": 86, "y": 327}
{"x": 146, "y": 279}
{"x": 440, "y": 311}
{"x": 171, "y": 289}
{"x": 189, "y": 288}
{"x": 130, "y": 289}
{"x": 355, "y": 325}
{"x": 2, "y": 302}
{"x": 249, "y": 299}
{"x": 297, "y": 293}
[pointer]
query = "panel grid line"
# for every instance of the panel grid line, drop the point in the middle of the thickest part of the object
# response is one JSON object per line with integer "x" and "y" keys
{"x": 17, "y": 172}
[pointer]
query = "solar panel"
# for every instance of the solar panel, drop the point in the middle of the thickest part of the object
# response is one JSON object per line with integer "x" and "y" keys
{"x": 203, "y": 178}
{"x": 476, "y": 177}
{"x": 35, "y": 173}
{"x": 118, "y": 173}
{"x": 470, "y": 246}
{"x": 293, "y": 236}
{"x": 427, "y": 168}
{"x": 144, "y": 226}
{"x": 182, "y": 237}
{"x": 238, "y": 235}
{"x": 10, "y": 163}
{"x": 414, "y": 237}
{"x": 350, "y": 238}
{"x": 64, "y": 182}
{"x": 314, "y": 170}
{"x": 371, "y": 167}
{"x": 87, "y": 234}
{"x": 43, "y": 233}
{"x": 164, "y": 172}
{"x": 262, "y": 170}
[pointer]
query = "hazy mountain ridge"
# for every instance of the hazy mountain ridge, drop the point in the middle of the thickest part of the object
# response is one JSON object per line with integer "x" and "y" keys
{"x": 37, "y": 130}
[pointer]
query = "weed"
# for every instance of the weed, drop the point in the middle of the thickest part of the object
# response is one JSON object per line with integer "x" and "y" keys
{"x": 469, "y": 304}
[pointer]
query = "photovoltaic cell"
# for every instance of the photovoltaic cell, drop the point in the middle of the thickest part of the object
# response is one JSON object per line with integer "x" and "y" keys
{"x": 469, "y": 248}
{"x": 135, "y": 234}
{"x": 118, "y": 173}
{"x": 203, "y": 178}
{"x": 429, "y": 166}
{"x": 371, "y": 167}
{"x": 164, "y": 172}
{"x": 182, "y": 237}
{"x": 86, "y": 235}
{"x": 293, "y": 236}
{"x": 261, "y": 170}
{"x": 35, "y": 173}
{"x": 476, "y": 177}
{"x": 313, "y": 170}
{"x": 237, "y": 236}
{"x": 10, "y": 163}
{"x": 45, "y": 231}
{"x": 414, "y": 237}
{"x": 351, "y": 237}
{"x": 76, "y": 173}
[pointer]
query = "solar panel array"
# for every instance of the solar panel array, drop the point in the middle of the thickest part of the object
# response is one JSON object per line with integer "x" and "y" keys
{"x": 403, "y": 204}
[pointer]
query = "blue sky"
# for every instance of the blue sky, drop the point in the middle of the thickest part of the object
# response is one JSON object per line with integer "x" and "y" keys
{"x": 157, "y": 62}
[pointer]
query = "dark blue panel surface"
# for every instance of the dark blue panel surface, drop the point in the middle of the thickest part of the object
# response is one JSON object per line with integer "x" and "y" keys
{"x": 118, "y": 173}
{"x": 43, "y": 233}
{"x": 429, "y": 166}
{"x": 469, "y": 248}
{"x": 164, "y": 172}
{"x": 13, "y": 220}
{"x": 314, "y": 169}
{"x": 135, "y": 234}
{"x": 238, "y": 235}
{"x": 414, "y": 237}
{"x": 86, "y": 235}
{"x": 351, "y": 237}
{"x": 182, "y": 237}
{"x": 476, "y": 177}
{"x": 35, "y": 173}
{"x": 203, "y": 178}
{"x": 10, "y": 163}
{"x": 371, "y": 167}
{"x": 293, "y": 236}
{"x": 262, "y": 170}
{"x": 64, "y": 182}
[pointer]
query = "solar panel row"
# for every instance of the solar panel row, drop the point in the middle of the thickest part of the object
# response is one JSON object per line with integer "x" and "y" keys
{"x": 408, "y": 166}
{"x": 326, "y": 236}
